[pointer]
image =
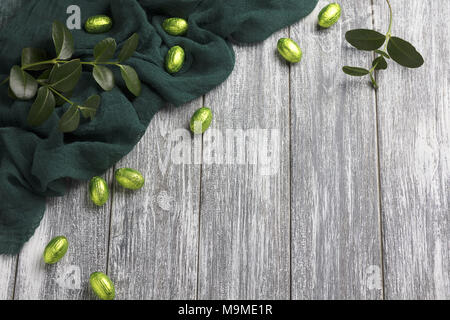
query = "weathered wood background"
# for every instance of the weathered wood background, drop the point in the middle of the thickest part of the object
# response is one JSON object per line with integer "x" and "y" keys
{"x": 354, "y": 204}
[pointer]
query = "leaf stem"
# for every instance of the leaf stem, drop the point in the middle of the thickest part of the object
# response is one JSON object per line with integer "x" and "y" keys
{"x": 53, "y": 61}
{"x": 374, "y": 67}
{"x": 390, "y": 17}
{"x": 388, "y": 34}
{"x": 61, "y": 96}
{"x": 374, "y": 83}
{"x": 4, "y": 81}
{"x": 92, "y": 63}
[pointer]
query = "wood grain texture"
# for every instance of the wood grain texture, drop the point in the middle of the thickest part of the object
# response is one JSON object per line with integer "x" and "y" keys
{"x": 336, "y": 242}
{"x": 8, "y": 263}
{"x": 154, "y": 231}
{"x": 86, "y": 228}
{"x": 244, "y": 230}
{"x": 7, "y": 276}
{"x": 414, "y": 122}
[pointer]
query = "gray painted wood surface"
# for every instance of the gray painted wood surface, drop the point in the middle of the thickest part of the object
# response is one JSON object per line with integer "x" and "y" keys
{"x": 154, "y": 232}
{"x": 244, "y": 223}
{"x": 414, "y": 127}
{"x": 356, "y": 204}
{"x": 335, "y": 215}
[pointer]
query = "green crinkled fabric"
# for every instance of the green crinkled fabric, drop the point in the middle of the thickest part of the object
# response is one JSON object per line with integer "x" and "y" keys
{"x": 35, "y": 162}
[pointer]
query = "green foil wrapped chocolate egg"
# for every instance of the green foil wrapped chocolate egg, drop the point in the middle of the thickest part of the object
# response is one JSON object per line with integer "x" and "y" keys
{"x": 290, "y": 50}
{"x": 98, "y": 191}
{"x": 329, "y": 15}
{"x": 175, "y": 26}
{"x": 98, "y": 24}
{"x": 201, "y": 120}
{"x": 175, "y": 59}
{"x": 102, "y": 286}
{"x": 130, "y": 178}
{"x": 55, "y": 249}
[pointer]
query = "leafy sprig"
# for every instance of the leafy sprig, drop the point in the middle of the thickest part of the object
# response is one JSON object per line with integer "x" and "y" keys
{"x": 395, "y": 48}
{"x": 58, "y": 77}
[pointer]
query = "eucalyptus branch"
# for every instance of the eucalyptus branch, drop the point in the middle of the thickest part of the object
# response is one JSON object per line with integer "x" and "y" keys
{"x": 60, "y": 75}
{"x": 395, "y": 48}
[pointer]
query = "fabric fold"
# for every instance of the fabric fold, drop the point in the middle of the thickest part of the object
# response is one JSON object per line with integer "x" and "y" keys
{"x": 35, "y": 162}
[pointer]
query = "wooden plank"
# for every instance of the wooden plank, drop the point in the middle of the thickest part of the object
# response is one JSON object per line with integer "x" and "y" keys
{"x": 244, "y": 231}
{"x": 8, "y": 263}
{"x": 7, "y": 276}
{"x": 86, "y": 227}
{"x": 414, "y": 122}
{"x": 154, "y": 231}
{"x": 336, "y": 242}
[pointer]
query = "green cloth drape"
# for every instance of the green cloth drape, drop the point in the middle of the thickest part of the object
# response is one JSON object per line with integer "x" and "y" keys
{"x": 34, "y": 162}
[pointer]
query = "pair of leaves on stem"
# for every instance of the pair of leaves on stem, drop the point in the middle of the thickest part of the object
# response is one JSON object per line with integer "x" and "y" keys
{"x": 44, "y": 106}
{"x": 103, "y": 52}
{"x": 71, "y": 118}
{"x": 398, "y": 50}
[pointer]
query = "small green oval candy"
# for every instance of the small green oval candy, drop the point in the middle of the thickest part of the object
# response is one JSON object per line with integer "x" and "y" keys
{"x": 175, "y": 59}
{"x": 102, "y": 286}
{"x": 175, "y": 26}
{"x": 290, "y": 50}
{"x": 329, "y": 15}
{"x": 98, "y": 24}
{"x": 130, "y": 178}
{"x": 98, "y": 191}
{"x": 55, "y": 249}
{"x": 201, "y": 120}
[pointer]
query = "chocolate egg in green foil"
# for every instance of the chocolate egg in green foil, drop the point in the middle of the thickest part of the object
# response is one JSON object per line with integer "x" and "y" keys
{"x": 98, "y": 191}
{"x": 329, "y": 15}
{"x": 130, "y": 178}
{"x": 55, "y": 249}
{"x": 290, "y": 50}
{"x": 98, "y": 24}
{"x": 102, "y": 286}
{"x": 175, "y": 26}
{"x": 201, "y": 120}
{"x": 175, "y": 59}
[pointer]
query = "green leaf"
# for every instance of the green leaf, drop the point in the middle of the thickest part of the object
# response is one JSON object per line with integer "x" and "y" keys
{"x": 34, "y": 55}
{"x": 384, "y": 54}
{"x": 52, "y": 71}
{"x": 355, "y": 71}
{"x": 11, "y": 94}
{"x": 64, "y": 78}
{"x": 364, "y": 39}
{"x": 404, "y": 53}
{"x": 70, "y": 120}
{"x": 129, "y": 47}
{"x": 104, "y": 77}
{"x": 45, "y": 75}
{"x": 22, "y": 84}
{"x": 62, "y": 38}
{"x": 131, "y": 79}
{"x": 380, "y": 62}
{"x": 105, "y": 50}
{"x": 90, "y": 106}
{"x": 42, "y": 108}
